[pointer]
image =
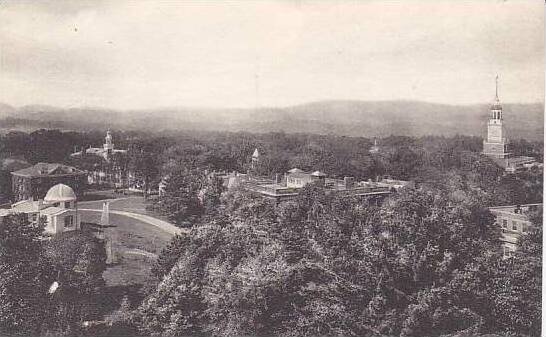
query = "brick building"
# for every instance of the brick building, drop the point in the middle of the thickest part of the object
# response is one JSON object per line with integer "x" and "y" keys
{"x": 34, "y": 182}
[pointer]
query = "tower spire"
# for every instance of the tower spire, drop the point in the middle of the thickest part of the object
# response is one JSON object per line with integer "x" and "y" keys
{"x": 497, "y": 87}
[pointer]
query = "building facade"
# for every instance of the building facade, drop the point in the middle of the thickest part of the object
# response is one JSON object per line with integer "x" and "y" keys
{"x": 513, "y": 222}
{"x": 34, "y": 182}
{"x": 57, "y": 212}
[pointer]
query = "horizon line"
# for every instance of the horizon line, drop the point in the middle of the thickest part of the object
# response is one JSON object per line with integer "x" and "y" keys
{"x": 198, "y": 107}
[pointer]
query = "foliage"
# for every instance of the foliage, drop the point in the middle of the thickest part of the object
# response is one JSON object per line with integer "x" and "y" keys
{"x": 24, "y": 277}
{"x": 189, "y": 194}
{"x": 426, "y": 262}
{"x": 79, "y": 259}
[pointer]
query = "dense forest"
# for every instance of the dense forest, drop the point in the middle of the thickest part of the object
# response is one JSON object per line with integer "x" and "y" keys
{"x": 428, "y": 160}
{"x": 426, "y": 262}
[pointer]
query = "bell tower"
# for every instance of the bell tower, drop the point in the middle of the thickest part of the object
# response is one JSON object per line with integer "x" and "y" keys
{"x": 108, "y": 145}
{"x": 496, "y": 143}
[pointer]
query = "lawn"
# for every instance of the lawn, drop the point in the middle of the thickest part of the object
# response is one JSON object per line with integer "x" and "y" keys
{"x": 133, "y": 204}
{"x": 134, "y": 243}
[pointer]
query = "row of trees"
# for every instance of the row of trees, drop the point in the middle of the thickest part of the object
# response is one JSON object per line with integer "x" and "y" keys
{"x": 153, "y": 157}
{"x": 430, "y": 161}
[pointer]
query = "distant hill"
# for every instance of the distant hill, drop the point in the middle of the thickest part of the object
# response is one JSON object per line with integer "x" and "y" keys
{"x": 352, "y": 118}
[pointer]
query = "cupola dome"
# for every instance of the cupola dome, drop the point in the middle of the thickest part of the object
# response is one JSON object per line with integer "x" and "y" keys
{"x": 60, "y": 193}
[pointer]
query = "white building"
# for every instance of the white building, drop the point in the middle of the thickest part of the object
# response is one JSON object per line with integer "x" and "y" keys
{"x": 110, "y": 165}
{"x": 514, "y": 222}
{"x": 58, "y": 211}
{"x": 496, "y": 145}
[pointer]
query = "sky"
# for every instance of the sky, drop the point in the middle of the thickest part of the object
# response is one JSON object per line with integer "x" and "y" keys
{"x": 153, "y": 54}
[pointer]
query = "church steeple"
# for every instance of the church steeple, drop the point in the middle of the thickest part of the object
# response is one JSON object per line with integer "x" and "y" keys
{"x": 496, "y": 107}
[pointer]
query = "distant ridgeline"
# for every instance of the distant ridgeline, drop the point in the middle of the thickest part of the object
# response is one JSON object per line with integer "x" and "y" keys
{"x": 351, "y": 118}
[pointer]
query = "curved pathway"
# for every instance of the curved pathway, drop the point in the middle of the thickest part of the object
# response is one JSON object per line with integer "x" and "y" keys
{"x": 136, "y": 251}
{"x": 163, "y": 225}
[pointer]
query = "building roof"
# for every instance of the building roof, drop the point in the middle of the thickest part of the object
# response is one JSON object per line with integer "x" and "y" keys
{"x": 299, "y": 175}
{"x": 26, "y": 206}
{"x": 97, "y": 151}
{"x": 48, "y": 169}
{"x": 60, "y": 193}
{"x": 53, "y": 211}
{"x": 12, "y": 164}
{"x": 5, "y": 212}
{"x": 512, "y": 208}
{"x": 318, "y": 174}
{"x": 256, "y": 154}
{"x": 295, "y": 170}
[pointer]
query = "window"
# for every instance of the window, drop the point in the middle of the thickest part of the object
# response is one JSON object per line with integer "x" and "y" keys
{"x": 524, "y": 228}
{"x": 514, "y": 225}
{"x": 69, "y": 221}
{"x": 506, "y": 252}
{"x": 67, "y": 204}
{"x": 504, "y": 223}
{"x": 56, "y": 204}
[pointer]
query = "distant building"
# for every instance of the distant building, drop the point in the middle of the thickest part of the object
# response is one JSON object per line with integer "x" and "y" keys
{"x": 106, "y": 152}
{"x": 109, "y": 166}
{"x": 58, "y": 211}
{"x": 295, "y": 179}
{"x": 496, "y": 145}
{"x": 161, "y": 187}
{"x": 298, "y": 178}
{"x": 33, "y": 182}
{"x": 375, "y": 147}
{"x": 514, "y": 222}
{"x": 255, "y": 159}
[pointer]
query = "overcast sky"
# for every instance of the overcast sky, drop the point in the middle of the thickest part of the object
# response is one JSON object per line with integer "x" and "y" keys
{"x": 144, "y": 54}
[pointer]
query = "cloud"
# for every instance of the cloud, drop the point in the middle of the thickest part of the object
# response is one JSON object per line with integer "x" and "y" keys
{"x": 135, "y": 54}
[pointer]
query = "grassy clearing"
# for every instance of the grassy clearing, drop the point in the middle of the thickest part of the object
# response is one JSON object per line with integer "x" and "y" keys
{"x": 126, "y": 233}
